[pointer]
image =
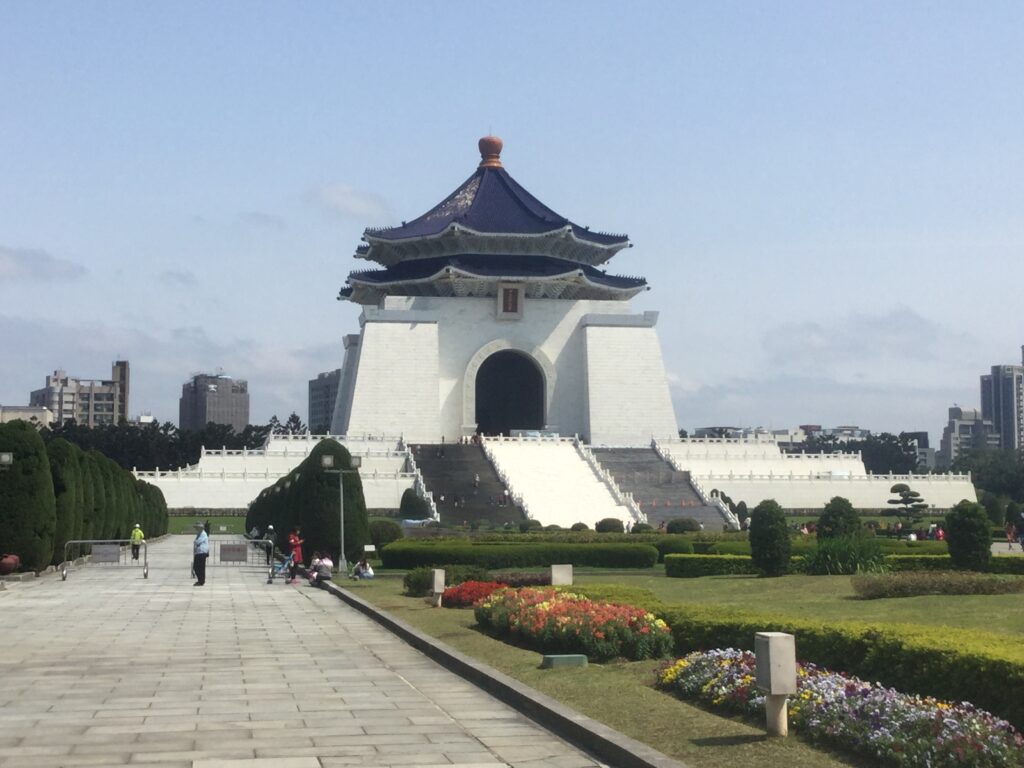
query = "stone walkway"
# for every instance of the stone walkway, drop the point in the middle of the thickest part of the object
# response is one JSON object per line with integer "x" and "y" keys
{"x": 109, "y": 668}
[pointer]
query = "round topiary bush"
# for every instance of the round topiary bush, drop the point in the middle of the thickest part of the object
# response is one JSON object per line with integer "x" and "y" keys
{"x": 609, "y": 525}
{"x": 969, "y": 536}
{"x": 530, "y": 525}
{"x": 769, "y": 539}
{"x": 682, "y": 525}
{"x": 838, "y": 518}
{"x": 413, "y": 506}
{"x": 579, "y": 527}
{"x": 642, "y": 528}
{"x": 384, "y": 532}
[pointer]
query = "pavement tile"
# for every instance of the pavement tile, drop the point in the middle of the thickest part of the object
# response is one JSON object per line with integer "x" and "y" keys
{"x": 159, "y": 673}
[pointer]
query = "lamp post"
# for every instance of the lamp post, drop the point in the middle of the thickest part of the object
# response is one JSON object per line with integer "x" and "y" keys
{"x": 327, "y": 463}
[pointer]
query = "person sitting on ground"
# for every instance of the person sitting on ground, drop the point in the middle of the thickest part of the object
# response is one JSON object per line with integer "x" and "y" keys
{"x": 362, "y": 570}
{"x": 320, "y": 569}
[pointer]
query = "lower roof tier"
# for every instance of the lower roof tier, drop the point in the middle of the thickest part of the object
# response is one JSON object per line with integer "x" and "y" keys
{"x": 480, "y": 275}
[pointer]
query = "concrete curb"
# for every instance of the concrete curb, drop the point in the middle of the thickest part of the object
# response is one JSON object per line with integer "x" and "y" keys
{"x": 587, "y": 734}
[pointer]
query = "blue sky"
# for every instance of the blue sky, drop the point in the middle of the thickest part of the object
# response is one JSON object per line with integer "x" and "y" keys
{"x": 826, "y": 198}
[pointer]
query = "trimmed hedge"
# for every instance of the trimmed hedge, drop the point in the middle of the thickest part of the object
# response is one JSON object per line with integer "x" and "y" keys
{"x": 28, "y": 508}
{"x": 308, "y": 497}
{"x": 419, "y": 582}
{"x": 918, "y": 562}
{"x": 1006, "y": 564}
{"x": 414, "y": 554}
{"x": 915, "y": 583}
{"x": 665, "y": 543}
{"x": 985, "y": 669}
{"x": 694, "y": 566}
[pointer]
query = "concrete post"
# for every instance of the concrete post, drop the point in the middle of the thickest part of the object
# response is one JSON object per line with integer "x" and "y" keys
{"x": 438, "y": 586}
{"x": 776, "y": 676}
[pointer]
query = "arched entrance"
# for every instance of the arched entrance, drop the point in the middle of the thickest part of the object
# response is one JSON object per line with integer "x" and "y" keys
{"x": 509, "y": 394}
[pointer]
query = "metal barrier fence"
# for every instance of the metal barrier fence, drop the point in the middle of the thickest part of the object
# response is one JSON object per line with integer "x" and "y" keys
{"x": 115, "y": 553}
{"x": 240, "y": 552}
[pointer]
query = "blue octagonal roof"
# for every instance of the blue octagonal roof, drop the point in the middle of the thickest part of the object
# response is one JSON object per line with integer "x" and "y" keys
{"x": 492, "y": 202}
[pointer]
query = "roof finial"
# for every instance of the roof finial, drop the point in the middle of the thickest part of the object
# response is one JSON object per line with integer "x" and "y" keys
{"x": 490, "y": 152}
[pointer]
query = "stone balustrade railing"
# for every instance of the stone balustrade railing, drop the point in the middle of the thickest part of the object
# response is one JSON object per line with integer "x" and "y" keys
{"x": 516, "y": 497}
{"x": 707, "y": 498}
{"x": 419, "y": 485}
{"x": 625, "y": 499}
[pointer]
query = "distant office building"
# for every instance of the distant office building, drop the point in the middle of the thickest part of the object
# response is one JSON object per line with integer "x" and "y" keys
{"x": 967, "y": 429}
{"x": 926, "y": 456}
{"x": 1002, "y": 403}
{"x": 91, "y": 402}
{"x": 213, "y": 398}
{"x": 38, "y": 415}
{"x": 323, "y": 391}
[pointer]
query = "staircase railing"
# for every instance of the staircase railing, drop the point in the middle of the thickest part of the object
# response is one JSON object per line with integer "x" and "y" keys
{"x": 711, "y": 501}
{"x": 515, "y": 496}
{"x": 621, "y": 497}
{"x": 419, "y": 485}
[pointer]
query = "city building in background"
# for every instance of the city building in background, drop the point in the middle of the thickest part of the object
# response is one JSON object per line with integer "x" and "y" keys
{"x": 926, "y": 455}
{"x": 1002, "y": 403}
{"x": 41, "y": 416}
{"x": 967, "y": 429}
{"x": 91, "y": 402}
{"x": 323, "y": 392}
{"x": 216, "y": 398}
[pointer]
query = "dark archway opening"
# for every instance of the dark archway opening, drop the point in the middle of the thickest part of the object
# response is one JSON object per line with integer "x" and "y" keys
{"x": 509, "y": 394}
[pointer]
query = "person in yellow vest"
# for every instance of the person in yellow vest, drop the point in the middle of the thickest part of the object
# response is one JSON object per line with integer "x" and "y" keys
{"x": 136, "y": 537}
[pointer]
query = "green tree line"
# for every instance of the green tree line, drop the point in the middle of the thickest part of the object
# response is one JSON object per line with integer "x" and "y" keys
{"x": 55, "y": 492}
{"x": 146, "y": 447}
{"x": 998, "y": 474}
{"x": 883, "y": 454}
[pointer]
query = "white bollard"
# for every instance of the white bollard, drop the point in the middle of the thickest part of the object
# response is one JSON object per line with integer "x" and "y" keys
{"x": 438, "y": 586}
{"x": 776, "y": 676}
{"x": 561, "y": 575}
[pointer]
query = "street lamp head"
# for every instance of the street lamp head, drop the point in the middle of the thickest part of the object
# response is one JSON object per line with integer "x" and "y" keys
{"x": 327, "y": 461}
{"x": 6, "y": 459}
{"x": 356, "y": 461}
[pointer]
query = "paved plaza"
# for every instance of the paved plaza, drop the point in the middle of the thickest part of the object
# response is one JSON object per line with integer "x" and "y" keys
{"x": 109, "y": 668}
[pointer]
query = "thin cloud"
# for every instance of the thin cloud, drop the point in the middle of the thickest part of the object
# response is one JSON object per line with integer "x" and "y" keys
{"x": 178, "y": 278}
{"x": 350, "y": 203}
{"x": 866, "y": 344}
{"x": 36, "y": 265}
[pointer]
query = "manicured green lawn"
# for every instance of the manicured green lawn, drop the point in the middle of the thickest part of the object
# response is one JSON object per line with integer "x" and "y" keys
{"x": 620, "y": 694}
{"x": 822, "y": 597}
{"x": 186, "y": 524}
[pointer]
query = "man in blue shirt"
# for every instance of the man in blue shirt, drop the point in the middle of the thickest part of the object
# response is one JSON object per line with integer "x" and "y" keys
{"x": 200, "y": 551}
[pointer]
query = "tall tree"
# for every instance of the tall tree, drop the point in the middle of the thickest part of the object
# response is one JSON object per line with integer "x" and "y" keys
{"x": 28, "y": 511}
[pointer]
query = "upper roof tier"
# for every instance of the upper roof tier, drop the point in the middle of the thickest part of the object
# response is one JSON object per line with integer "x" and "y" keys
{"x": 489, "y": 213}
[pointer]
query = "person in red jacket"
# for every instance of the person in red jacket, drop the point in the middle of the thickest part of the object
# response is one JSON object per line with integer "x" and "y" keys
{"x": 295, "y": 547}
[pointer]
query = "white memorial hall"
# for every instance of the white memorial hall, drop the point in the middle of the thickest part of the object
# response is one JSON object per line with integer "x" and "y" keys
{"x": 490, "y": 325}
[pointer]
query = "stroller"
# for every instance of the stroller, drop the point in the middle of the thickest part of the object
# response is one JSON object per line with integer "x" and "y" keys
{"x": 280, "y": 569}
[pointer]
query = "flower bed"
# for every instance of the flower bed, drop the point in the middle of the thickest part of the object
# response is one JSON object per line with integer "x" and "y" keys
{"x": 467, "y": 593}
{"x": 889, "y": 727}
{"x": 562, "y": 622}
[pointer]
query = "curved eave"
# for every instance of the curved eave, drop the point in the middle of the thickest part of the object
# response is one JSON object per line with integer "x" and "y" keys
{"x": 454, "y": 281}
{"x": 456, "y": 239}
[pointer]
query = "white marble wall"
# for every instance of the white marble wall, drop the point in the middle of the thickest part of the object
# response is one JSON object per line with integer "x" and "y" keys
{"x": 618, "y": 369}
